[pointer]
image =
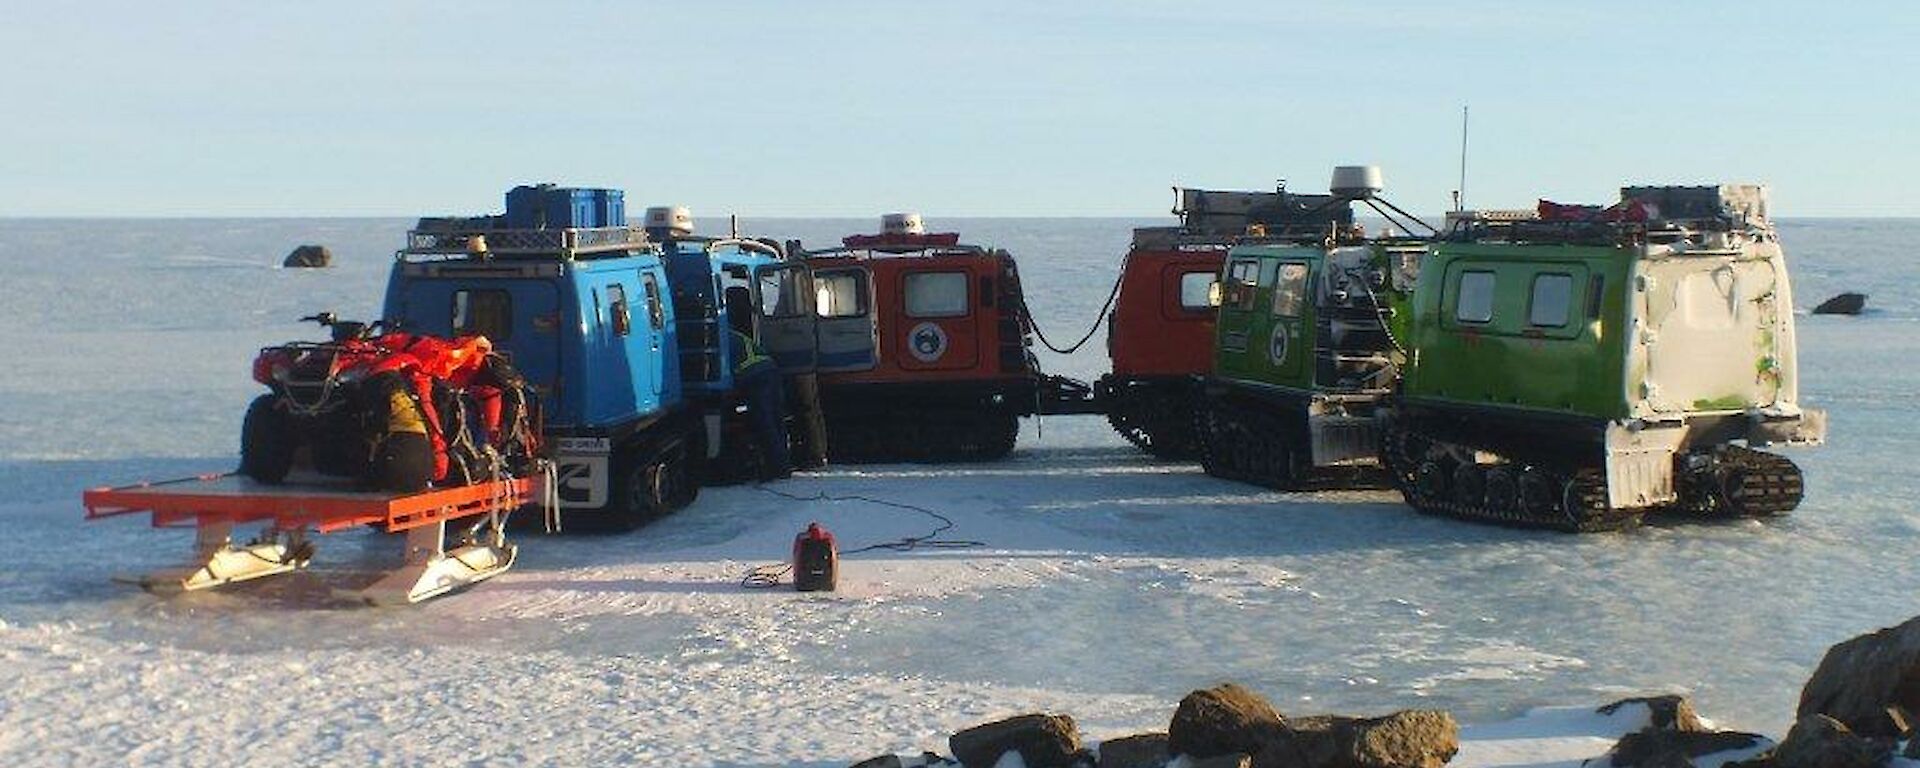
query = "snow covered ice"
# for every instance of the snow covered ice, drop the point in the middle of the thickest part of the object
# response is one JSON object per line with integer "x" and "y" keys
{"x": 1108, "y": 585}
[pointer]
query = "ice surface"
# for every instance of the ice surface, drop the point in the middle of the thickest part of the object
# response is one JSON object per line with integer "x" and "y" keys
{"x": 1108, "y": 586}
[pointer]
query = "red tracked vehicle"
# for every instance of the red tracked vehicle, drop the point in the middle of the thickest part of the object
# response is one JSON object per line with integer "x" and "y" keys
{"x": 923, "y": 348}
{"x": 1160, "y": 333}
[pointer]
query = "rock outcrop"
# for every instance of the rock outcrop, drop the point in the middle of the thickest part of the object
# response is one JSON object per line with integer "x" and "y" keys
{"x": 309, "y": 256}
{"x": 1870, "y": 683}
{"x": 1043, "y": 741}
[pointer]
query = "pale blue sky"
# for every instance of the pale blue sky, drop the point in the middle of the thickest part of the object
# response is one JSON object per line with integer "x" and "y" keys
{"x": 985, "y": 108}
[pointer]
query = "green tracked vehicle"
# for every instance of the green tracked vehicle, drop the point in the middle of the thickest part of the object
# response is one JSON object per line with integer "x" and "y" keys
{"x": 1578, "y": 367}
{"x": 1305, "y": 343}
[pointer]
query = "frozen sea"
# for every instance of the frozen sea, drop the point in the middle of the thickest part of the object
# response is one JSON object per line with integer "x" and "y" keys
{"x": 1110, "y": 584}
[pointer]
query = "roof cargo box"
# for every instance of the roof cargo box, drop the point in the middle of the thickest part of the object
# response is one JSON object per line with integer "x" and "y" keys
{"x": 546, "y": 206}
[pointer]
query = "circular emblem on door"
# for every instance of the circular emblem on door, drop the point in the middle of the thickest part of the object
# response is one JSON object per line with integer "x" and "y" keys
{"x": 927, "y": 342}
{"x": 1277, "y": 346}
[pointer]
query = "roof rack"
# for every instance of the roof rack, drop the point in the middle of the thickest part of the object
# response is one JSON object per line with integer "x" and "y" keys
{"x": 467, "y": 237}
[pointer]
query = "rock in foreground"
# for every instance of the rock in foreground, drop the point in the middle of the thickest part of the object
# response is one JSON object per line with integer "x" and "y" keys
{"x": 1859, "y": 681}
{"x": 1043, "y": 741}
{"x": 1222, "y": 720}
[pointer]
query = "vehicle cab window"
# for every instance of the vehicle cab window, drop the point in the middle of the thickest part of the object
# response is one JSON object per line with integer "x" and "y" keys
{"x": 936, "y": 294}
{"x": 1196, "y": 290}
{"x": 486, "y": 313}
{"x": 1290, "y": 290}
{"x": 840, "y": 293}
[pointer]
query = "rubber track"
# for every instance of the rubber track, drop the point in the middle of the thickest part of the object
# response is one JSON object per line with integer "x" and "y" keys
{"x": 1585, "y": 487}
{"x": 1160, "y": 426}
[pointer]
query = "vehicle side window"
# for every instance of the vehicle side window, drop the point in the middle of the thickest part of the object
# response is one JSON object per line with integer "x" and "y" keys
{"x": 1195, "y": 288}
{"x": 936, "y": 294}
{"x": 656, "y": 310}
{"x": 1552, "y": 298}
{"x": 1473, "y": 302}
{"x": 1290, "y": 290}
{"x": 841, "y": 293}
{"x": 486, "y": 313}
{"x": 617, "y": 309}
{"x": 780, "y": 293}
{"x": 1241, "y": 278}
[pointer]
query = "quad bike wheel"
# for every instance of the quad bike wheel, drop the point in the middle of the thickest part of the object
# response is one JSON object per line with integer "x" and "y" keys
{"x": 266, "y": 442}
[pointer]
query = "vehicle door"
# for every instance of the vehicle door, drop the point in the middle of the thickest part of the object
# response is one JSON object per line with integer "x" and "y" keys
{"x": 624, "y": 349}
{"x": 783, "y": 295}
{"x": 939, "y": 328}
{"x": 1241, "y": 318}
{"x": 1288, "y": 349}
{"x": 846, "y": 331}
{"x": 520, "y": 317}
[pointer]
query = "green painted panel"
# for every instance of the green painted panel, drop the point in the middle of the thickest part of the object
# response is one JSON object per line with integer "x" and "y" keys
{"x": 1529, "y": 326}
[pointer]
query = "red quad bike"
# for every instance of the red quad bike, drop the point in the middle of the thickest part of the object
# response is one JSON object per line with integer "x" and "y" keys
{"x": 397, "y": 412}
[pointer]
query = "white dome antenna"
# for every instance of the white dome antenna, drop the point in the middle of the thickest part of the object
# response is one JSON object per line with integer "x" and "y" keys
{"x": 1357, "y": 182}
{"x": 902, "y": 224}
{"x": 663, "y": 220}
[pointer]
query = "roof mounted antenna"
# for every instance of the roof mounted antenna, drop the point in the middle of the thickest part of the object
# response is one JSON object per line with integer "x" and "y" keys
{"x": 1460, "y": 192}
{"x": 1363, "y": 183}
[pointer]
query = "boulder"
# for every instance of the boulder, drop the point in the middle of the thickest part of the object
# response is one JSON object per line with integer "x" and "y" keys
{"x": 1860, "y": 680}
{"x": 883, "y": 761}
{"x": 1043, "y": 741}
{"x": 1666, "y": 748}
{"x": 1823, "y": 742}
{"x": 1235, "y": 760}
{"x": 1849, "y": 303}
{"x": 1222, "y": 720}
{"x": 1417, "y": 738}
{"x": 1145, "y": 750}
{"x": 1408, "y": 739}
{"x": 310, "y": 256}
{"x": 1671, "y": 712}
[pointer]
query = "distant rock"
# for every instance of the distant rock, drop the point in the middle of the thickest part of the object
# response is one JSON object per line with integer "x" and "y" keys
{"x": 1844, "y": 304}
{"x": 1865, "y": 682}
{"x": 1671, "y": 712}
{"x": 1043, "y": 741}
{"x": 309, "y": 256}
{"x": 1222, "y": 720}
{"x": 1146, "y": 750}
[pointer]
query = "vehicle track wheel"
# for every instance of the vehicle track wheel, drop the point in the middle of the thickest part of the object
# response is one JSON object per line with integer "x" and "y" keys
{"x": 1536, "y": 494}
{"x": 266, "y": 442}
{"x": 646, "y": 488}
{"x": 1502, "y": 491}
{"x": 1431, "y": 480}
{"x": 1469, "y": 485}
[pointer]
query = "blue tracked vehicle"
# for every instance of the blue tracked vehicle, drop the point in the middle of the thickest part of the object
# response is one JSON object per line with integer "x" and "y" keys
{"x": 623, "y": 336}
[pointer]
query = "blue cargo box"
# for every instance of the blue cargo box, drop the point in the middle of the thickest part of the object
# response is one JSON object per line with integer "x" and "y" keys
{"x": 546, "y": 206}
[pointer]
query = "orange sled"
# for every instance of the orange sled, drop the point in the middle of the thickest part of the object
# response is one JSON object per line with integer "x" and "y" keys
{"x": 214, "y": 504}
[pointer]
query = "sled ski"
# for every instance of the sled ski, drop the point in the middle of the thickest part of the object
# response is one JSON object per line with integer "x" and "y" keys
{"x": 214, "y": 505}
